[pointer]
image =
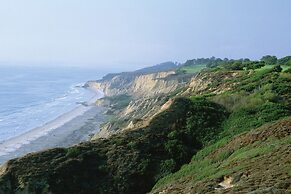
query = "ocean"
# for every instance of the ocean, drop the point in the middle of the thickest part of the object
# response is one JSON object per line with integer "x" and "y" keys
{"x": 33, "y": 96}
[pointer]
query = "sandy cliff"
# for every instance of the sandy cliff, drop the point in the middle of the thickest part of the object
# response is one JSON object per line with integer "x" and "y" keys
{"x": 140, "y": 85}
{"x": 148, "y": 94}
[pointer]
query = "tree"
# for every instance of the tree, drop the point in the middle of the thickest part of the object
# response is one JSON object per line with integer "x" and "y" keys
{"x": 233, "y": 65}
{"x": 237, "y": 65}
{"x": 259, "y": 64}
{"x": 277, "y": 68}
{"x": 269, "y": 60}
{"x": 254, "y": 64}
{"x": 285, "y": 61}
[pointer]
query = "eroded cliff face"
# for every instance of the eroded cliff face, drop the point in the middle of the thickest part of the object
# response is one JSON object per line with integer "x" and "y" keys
{"x": 145, "y": 86}
{"x": 211, "y": 82}
{"x": 149, "y": 95}
{"x": 137, "y": 114}
{"x": 139, "y": 85}
{"x": 152, "y": 93}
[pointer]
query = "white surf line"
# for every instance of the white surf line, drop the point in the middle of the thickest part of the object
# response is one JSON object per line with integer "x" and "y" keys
{"x": 15, "y": 143}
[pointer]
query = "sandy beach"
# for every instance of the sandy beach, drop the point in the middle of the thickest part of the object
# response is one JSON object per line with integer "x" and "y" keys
{"x": 70, "y": 128}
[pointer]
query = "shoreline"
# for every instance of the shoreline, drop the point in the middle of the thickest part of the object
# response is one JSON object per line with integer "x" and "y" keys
{"x": 60, "y": 132}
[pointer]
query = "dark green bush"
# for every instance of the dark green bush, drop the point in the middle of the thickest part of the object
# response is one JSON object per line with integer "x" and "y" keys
{"x": 73, "y": 152}
{"x": 204, "y": 120}
{"x": 248, "y": 118}
{"x": 119, "y": 101}
{"x": 167, "y": 167}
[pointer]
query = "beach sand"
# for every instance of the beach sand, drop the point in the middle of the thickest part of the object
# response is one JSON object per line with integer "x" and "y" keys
{"x": 68, "y": 129}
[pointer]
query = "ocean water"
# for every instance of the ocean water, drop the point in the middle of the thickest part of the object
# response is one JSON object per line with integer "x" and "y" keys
{"x": 33, "y": 96}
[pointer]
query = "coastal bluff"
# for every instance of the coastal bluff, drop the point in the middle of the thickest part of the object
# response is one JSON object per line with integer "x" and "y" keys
{"x": 219, "y": 130}
{"x": 134, "y": 98}
{"x": 139, "y": 85}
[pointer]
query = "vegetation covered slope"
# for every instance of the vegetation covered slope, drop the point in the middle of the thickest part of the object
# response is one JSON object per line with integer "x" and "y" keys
{"x": 257, "y": 162}
{"x": 125, "y": 163}
{"x": 233, "y": 122}
{"x": 238, "y": 160}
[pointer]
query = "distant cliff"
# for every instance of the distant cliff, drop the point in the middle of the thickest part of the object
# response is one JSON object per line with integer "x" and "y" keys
{"x": 149, "y": 94}
{"x": 141, "y": 85}
{"x": 142, "y": 95}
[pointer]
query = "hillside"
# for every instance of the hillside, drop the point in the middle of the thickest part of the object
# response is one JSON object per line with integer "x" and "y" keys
{"x": 255, "y": 162}
{"x": 225, "y": 129}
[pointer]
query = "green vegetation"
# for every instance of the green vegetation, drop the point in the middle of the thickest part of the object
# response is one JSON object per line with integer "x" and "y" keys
{"x": 285, "y": 61}
{"x": 284, "y": 67}
{"x": 266, "y": 62}
{"x": 130, "y": 162}
{"x": 191, "y": 68}
{"x": 73, "y": 152}
{"x": 196, "y": 65}
{"x": 270, "y": 60}
{"x": 199, "y": 139}
{"x": 119, "y": 101}
{"x": 259, "y": 97}
{"x": 207, "y": 166}
{"x": 247, "y": 119}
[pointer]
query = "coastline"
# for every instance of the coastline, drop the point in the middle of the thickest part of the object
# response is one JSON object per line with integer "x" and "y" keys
{"x": 69, "y": 128}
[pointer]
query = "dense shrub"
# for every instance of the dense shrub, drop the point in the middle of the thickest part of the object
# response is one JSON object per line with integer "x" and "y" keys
{"x": 245, "y": 119}
{"x": 119, "y": 101}
{"x": 205, "y": 119}
{"x": 277, "y": 68}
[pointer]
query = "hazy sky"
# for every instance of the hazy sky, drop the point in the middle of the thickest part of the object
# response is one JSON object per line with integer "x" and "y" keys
{"x": 137, "y": 33}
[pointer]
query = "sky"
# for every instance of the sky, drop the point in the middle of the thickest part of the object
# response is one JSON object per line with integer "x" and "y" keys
{"x": 133, "y": 33}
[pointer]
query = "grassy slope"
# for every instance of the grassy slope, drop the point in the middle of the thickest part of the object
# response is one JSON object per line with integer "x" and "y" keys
{"x": 192, "y": 68}
{"x": 284, "y": 67}
{"x": 258, "y": 160}
{"x": 257, "y": 98}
